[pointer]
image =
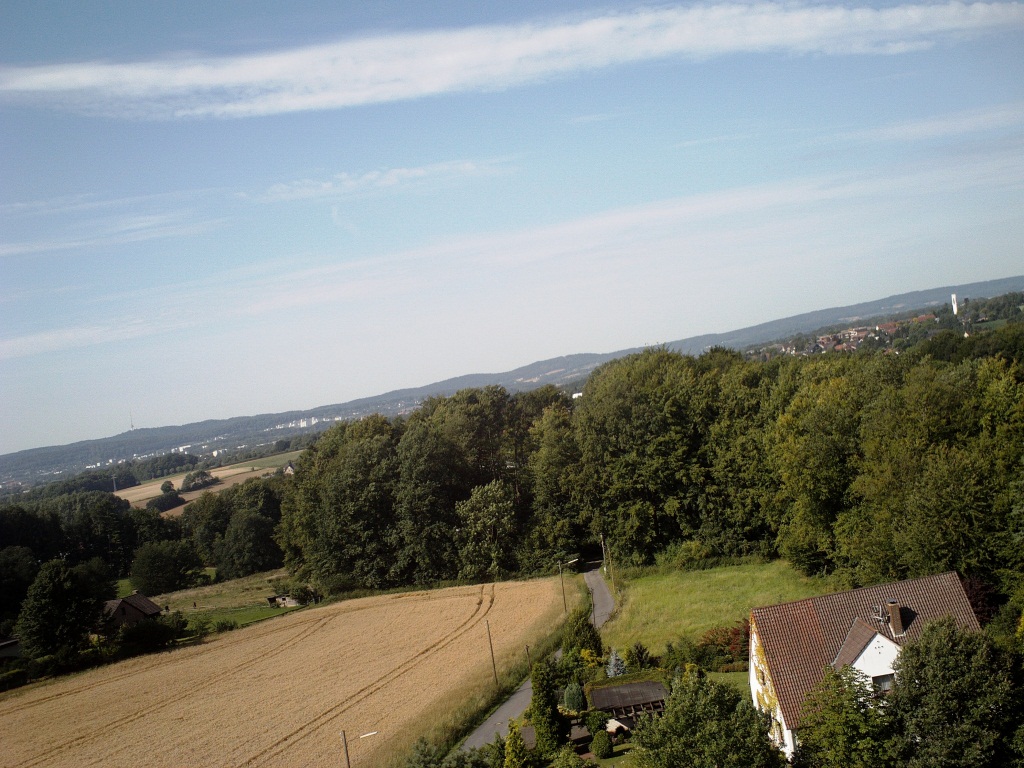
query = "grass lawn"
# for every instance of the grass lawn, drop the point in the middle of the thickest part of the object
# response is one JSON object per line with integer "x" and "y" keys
{"x": 620, "y": 757}
{"x": 661, "y": 607}
{"x": 240, "y": 600}
{"x": 738, "y": 680}
{"x": 124, "y": 587}
{"x": 271, "y": 462}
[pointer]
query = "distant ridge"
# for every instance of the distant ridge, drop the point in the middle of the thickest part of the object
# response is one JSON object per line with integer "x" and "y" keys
{"x": 812, "y": 321}
{"x": 230, "y": 433}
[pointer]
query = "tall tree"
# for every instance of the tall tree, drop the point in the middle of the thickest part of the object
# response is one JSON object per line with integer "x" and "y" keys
{"x": 705, "y": 725}
{"x": 843, "y": 725}
{"x": 954, "y": 702}
{"x": 487, "y": 532}
{"x": 62, "y": 606}
{"x": 549, "y": 724}
{"x": 165, "y": 566}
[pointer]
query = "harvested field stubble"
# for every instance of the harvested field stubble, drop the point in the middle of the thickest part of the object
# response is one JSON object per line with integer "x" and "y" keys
{"x": 280, "y": 692}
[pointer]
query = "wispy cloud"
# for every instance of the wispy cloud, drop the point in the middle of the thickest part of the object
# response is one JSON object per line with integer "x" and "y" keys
{"x": 114, "y": 231}
{"x": 61, "y": 339}
{"x": 345, "y": 184}
{"x": 958, "y": 124}
{"x": 617, "y": 259}
{"x": 406, "y": 66}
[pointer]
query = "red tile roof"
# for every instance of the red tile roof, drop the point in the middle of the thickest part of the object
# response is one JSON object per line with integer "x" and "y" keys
{"x": 857, "y": 640}
{"x": 801, "y": 638}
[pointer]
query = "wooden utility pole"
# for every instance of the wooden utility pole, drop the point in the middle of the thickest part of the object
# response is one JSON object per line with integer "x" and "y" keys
{"x": 491, "y": 645}
{"x": 344, "y": 743}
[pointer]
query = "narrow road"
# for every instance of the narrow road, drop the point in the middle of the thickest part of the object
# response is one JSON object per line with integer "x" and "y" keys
{"x": 517, "y": 703}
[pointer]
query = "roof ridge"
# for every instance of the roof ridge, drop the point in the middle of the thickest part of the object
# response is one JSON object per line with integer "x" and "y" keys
{"x": 815, "y": 598}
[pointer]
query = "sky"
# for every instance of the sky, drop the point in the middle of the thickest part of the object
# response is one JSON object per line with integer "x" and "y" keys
{"x": 219, "y": 209}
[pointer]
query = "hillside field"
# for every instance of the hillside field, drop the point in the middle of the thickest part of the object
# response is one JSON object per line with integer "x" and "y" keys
{"x": 279, "y": 693}
{"x": 660, "y": 607}
{"x": 233, "y": 474}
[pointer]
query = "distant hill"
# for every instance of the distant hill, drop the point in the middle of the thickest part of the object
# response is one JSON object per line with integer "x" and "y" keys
{"x": 206, "y": 436}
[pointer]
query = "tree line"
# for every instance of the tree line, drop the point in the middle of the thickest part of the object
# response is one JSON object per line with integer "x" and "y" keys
{"x": 870, "y": 467}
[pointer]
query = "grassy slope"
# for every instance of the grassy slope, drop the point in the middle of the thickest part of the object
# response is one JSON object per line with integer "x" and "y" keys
{"x": 659, "y": 608}
{"x": 241, "y": 600}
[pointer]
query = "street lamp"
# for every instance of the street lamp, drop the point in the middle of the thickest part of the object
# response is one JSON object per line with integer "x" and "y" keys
{"x": 344, "y": 744}
{"x": 565, "y": 608}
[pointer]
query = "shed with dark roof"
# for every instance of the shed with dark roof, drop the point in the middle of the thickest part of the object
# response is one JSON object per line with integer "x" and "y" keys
{"x": 624, "y": 702}
{"x": 792, "y": 644}
{"x": 130, "y": 610}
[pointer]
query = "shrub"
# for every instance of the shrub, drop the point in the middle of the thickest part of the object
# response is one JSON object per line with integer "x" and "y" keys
{"x": 200, "y": 625}
{"x": 146, "y": 637}
{"x": 686, "y": 556}
{"x": 225, "y": 625}
{"x": 595, "y": 720}
{"x": 579, "y": 634}
{"x": 567, "y": 758}
{"x": 601, "y": 745}
{"x": 638, "y": 657}
{"x": 575, "y": 701}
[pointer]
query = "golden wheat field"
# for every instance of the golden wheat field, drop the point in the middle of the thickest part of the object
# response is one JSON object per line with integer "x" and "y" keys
{"x": 279, "y": 693}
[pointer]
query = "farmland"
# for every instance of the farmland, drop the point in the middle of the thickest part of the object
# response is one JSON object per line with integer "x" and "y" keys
{"x": 281, "y": 692}
{"x": 229, "y": 476}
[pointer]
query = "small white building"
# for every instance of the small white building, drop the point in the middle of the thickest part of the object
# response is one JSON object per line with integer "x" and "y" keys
{"x": 792, "y": 644}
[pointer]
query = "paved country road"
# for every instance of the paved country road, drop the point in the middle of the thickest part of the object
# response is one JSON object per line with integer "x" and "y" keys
{"x": 517, "y": 703}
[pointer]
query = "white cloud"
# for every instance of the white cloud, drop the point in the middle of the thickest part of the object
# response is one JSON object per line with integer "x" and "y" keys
{"x": 60, "y": 339}
{"x": 344, "y": 184}
{"x": 114, "y": 231}
{"x": 976, "y": 121}
{"x": 616, "y": 267}
{"x": 412, "y": 65}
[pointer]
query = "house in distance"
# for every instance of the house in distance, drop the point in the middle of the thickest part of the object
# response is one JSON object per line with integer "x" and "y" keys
{"x": 129, "y": 611}
{"x": 792, "y": 644}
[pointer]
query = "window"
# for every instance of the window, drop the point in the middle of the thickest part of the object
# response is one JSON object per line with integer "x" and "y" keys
{"x": 882, "y": 683}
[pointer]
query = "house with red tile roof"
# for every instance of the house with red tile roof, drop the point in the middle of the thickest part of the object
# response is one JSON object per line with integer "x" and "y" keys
{"x": 792, "y": 644}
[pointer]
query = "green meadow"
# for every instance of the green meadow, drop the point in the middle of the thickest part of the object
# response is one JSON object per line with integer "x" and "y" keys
{"x": 656, "y": 607}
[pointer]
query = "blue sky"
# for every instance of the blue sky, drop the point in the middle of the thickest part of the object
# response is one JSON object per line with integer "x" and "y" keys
{"x": 218, "y": 209}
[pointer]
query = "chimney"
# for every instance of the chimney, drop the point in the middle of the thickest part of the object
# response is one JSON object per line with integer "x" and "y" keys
{"x": 895, "y": 619}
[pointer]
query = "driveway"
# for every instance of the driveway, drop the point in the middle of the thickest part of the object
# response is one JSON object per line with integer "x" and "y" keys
{"x": 517, "y": 703}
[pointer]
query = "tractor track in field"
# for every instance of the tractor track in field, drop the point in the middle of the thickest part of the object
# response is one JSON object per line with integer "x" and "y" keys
{"x": 484, "y": 604}
{"x": 104, "y": 730}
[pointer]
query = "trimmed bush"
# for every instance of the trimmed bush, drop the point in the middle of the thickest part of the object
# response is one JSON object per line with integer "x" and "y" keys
{"x": 601, "y": 744}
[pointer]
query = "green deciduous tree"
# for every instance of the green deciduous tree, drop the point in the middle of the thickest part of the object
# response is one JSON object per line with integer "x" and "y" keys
{"x": 248, "y": 546}
{"x": 705, "y": 725}
{"x": 954, "y": 702}
{"x": 62, "y": 606}
{"x": 164, "y": 566}
{"x": 843, "y": 724}
{"x": 487, "y": 532}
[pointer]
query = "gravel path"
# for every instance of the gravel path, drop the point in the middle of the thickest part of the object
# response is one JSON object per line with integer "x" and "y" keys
{"x": 517, "y": 703}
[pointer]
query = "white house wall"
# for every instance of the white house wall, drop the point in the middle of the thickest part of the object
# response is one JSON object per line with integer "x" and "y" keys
{"x": 878, "y": 657}
{"x": 762, "y": 691}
